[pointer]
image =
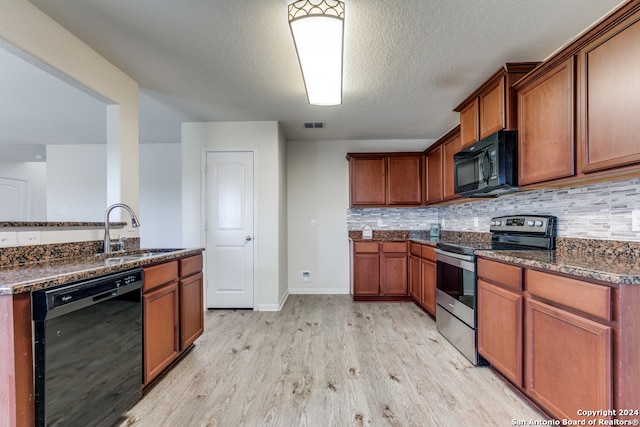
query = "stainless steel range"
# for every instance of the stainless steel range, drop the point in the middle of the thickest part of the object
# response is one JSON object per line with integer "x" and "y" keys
{"x": 457, "y": 280}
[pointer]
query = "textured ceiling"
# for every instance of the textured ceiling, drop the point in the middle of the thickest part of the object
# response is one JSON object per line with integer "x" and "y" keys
{"x": 407, "y": 63}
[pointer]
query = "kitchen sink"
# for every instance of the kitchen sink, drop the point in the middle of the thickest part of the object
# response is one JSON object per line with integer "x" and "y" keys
{"x": 117, "y": 258}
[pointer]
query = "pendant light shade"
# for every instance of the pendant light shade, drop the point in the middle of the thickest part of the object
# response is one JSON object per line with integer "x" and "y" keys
{"x": 317, "y": 29}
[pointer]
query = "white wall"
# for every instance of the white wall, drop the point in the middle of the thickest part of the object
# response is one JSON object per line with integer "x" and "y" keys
{"x": 76, "y": 182}
{"x": 34, "y": 36}
{"x": 266, "y": 141}
{"x": 35, "y": 173}
{"x": 318, "y": 189}
{"x": 160, "y": 196}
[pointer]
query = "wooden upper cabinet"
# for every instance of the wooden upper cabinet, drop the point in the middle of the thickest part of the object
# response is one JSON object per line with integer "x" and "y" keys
{"x": 385, "y": 179}
{"x": 469, "y": 132}
{"x": 609, "y": 98}
{"x": 368, "y": 179}
{"x": 492, "y": 109}
{"x": 545, "y": 134}
{"x": 450, "y": 147}
{"x": 434, "y": 176}
{"x": 493, "y": 106}
{"x": 404, "y": 180}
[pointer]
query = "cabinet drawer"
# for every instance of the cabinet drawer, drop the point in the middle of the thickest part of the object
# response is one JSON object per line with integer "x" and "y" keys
{"x": 429, "y": 253}
{"x": 394, "y": 247}
{"x": 586, "y": 297}
{"x": 160, "y": 274}
{"x": 507, "y": 275}
{"x": 190, "y": 265}
{"x": 365, "y": 247}
{"x": 415, "y": 249}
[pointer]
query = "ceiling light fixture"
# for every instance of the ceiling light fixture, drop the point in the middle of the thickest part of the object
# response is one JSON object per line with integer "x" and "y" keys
{"x": 317, "y": 29}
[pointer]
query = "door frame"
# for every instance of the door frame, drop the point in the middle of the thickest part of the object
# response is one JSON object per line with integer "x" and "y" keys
{"x": 203, "y": 213}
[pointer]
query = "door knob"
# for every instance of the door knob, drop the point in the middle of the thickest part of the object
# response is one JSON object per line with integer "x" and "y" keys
{"x": 248, "y": 238}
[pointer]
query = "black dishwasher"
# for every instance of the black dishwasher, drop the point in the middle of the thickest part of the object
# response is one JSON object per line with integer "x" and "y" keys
{"x": 88, "y": 350}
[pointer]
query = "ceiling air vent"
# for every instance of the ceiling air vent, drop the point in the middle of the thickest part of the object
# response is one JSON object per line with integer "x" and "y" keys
{"x": 314, "y": 125}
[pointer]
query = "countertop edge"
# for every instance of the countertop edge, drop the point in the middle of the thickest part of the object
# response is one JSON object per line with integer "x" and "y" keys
{"x": 526, "y": 260}
{"x": 87, "y": 273}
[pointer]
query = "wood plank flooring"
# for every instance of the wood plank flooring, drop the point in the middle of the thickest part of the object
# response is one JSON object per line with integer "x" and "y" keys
{"x": 326, "y": 361}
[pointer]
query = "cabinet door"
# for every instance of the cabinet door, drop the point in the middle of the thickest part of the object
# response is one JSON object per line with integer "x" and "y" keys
{"x": 415, "y": 278}
{"x": 429, "y": 286}
{"x": 434, "y": 176}
{"x": 568, "y": 360}
{"x": 404, "y": 180}
{"x": 368, "y": 181}
{"x": 160, "y": 310}
{"x": 500, "y": 338}
{"x": 191, "y": 310}
{"x": 469, "y": 132}
{"x": 393, "y": 272}
{"x": 450, "y": 148}
{"x": 545, "y": 119}
{"x": 609, "y": 98}
{"x": 366, "y": 274}
{"x": 492, "y": 109}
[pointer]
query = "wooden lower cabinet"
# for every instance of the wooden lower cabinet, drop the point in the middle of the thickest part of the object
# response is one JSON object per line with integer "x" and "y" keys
{"x": 553, "y": 337}
{"x": 393, "y": 272}
{"x": 380, "y": 271}
{"x": 422, "y": 276}
{"x": 415, "y": 276}
{"x": 160, "y": 308}
{"x": 191, "y": 310}
{"x": 428, "y": 286}
{"x": 172, "y": 311}
{"x": 568, "y": 361}
{"x": 500, "y": 332}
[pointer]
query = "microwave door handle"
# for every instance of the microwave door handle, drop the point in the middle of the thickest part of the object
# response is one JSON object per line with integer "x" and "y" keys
{"x": 485, "y": 167}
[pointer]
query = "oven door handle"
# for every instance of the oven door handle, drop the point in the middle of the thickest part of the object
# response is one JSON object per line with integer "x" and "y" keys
{"x": 464, "y": 262}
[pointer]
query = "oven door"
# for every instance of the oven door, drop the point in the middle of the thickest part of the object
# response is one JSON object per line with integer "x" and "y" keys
{"x": 456, "y": 285}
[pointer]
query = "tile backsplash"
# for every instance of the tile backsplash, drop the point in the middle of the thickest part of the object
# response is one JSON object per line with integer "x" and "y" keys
{"x": 596, "y": 211}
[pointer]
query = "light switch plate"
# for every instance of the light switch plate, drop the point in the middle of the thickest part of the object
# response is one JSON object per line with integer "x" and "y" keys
{"x": 635, "y": 220}
{"x": 8, "y": 239}
{"x": 27, "y": 238}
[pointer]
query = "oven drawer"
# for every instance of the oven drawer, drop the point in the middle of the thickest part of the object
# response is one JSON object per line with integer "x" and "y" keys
{"x": 582, "y": 296}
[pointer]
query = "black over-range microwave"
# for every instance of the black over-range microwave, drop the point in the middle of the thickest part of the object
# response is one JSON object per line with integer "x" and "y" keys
{"x": 489, "y": 167}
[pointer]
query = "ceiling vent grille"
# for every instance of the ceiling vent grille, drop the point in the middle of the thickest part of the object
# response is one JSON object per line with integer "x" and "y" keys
{"x": 314, "y": 125}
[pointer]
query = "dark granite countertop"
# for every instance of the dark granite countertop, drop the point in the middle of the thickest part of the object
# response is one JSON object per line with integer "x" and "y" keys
{"x": 609, "y": 269}
{"x": 39, "y": 275}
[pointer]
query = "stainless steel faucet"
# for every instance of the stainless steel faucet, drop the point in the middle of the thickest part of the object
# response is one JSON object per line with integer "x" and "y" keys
{"x": 134, "y": 223}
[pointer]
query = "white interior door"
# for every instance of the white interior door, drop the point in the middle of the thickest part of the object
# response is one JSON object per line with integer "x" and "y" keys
{"x": 229, "y": 228}
{"x": 13, "y": 199}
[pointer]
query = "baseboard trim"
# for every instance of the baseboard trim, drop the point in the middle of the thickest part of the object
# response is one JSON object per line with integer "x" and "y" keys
{"x": 319, "y": 291}
{"x": 273, "y": 307}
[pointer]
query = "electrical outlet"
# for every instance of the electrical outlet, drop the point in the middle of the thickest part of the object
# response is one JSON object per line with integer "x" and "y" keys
{"x": 380, "y": 222}
{"x": 476, "y": 222}
{"x": 8, "y": 239}
{"x": 635, "y": 220}
{"x": 306, "y": 276}
{"x": 28, "y": 238}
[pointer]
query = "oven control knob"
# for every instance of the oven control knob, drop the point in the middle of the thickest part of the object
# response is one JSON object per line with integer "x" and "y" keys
{"x": 530, "y": 223}
{"x": 498, "y": 223}
{"x": 493, "y": 223}
{"x": 538, "y": 223}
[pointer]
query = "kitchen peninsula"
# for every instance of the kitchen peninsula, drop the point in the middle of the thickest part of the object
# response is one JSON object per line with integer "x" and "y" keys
{"x": 54, "y": 265}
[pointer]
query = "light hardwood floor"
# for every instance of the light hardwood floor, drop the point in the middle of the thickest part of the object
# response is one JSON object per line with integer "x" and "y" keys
{"x": 326, "y": 361}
